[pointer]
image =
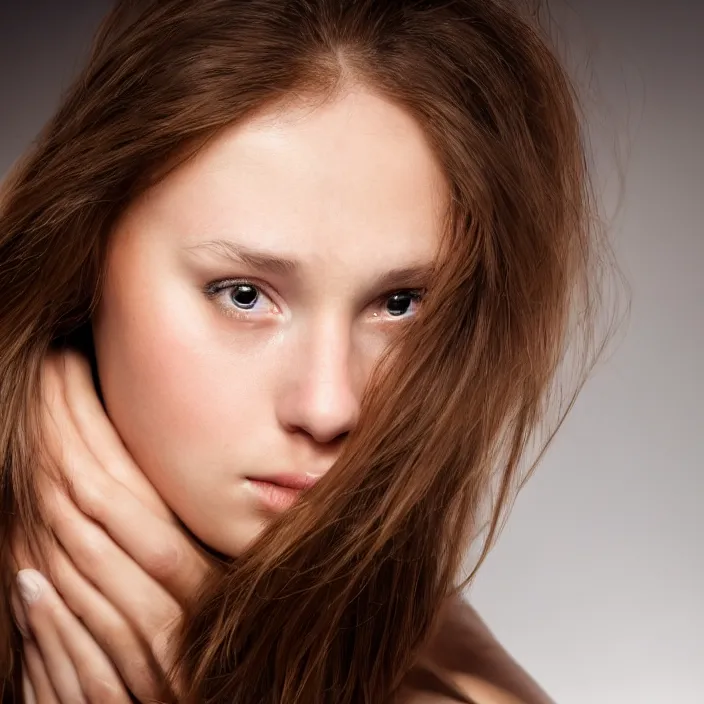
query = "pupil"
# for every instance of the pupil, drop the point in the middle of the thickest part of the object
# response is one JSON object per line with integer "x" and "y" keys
{"x": 398, "y": 303}
{"x": 244, "y": 295}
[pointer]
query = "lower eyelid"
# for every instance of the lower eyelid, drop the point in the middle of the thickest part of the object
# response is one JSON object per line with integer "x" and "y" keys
{"x": 242, "y": 313}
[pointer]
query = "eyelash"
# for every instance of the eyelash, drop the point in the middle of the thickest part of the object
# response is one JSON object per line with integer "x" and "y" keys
{"x": 215, "y": 288}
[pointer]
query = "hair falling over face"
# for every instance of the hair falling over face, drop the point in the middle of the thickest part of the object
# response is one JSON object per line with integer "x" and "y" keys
{"x": 338, "y": 595}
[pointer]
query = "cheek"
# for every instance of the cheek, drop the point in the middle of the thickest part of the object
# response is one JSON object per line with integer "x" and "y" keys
{"x": 190, "y": 402}
{"x": 174, "y": 386}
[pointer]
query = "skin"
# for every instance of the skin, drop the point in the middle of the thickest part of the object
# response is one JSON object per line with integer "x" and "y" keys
{"x": 205, "y": 394}
{"x": 111, "y": 592}
{"x": 202, "y": 395}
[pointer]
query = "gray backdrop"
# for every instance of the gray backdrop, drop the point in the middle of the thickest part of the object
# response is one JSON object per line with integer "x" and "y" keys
{"x": 596, "y": 583}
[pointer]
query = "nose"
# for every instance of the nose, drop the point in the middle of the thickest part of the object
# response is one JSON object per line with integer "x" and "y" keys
{"x": 321, "y": 392}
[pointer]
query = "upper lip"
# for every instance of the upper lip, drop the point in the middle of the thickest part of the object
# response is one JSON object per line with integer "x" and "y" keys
{"x": 289, "y": 480}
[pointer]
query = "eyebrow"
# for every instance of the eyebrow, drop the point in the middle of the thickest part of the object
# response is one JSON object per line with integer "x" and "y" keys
{"x": 262, "y": 261}
{"x": 416, "y": 275}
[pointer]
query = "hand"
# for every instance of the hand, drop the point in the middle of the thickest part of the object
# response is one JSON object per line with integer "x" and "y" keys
{"x": 105, "y": 626}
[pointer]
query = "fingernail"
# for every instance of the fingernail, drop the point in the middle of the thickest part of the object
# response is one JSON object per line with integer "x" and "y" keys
{"x": 31, "y": 585}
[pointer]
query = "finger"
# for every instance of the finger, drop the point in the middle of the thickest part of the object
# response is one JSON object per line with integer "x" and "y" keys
{"x": 18, "y": 611}
{"x": 63, "y": 437}
{"x": 53, "y": 407}
{"x": 100, "y": 435}
{"x": 133, "y": 659}
{"x": 89, "y": 675}
{"x": 148, "y": 607}
{"x": 59, "y": 667}
{"x": 28, "y": 695}
{"x": 38, "y": 676}
{"x": 169, "y": 556}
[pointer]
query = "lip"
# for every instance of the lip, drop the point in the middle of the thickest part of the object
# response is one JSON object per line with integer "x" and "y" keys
{"x": 289, "y": 481}
{"x": 278, "y": 492}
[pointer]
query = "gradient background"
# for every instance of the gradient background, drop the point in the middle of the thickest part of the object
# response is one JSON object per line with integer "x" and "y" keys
{"x": 597, "y": 583}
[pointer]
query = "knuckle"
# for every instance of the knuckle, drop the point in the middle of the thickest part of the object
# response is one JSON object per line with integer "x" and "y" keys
{"x": 163, "y": 559}
{"x": 142, "y": 680}
{"x": 158, "y": 628}
{"x": 115, "y": 635}
{"x": 91, "y": 548}
{"x": 92, "y": 497}
{"x": 76, "y": 698}
{"x": 130, "y": 659}
{"x": 61, "y": 521}
{"x": 162, "y": 647}
{"x": 103, "y": 690}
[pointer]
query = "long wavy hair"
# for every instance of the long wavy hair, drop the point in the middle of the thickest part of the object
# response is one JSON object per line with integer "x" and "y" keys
{"x": 338, "y": 595}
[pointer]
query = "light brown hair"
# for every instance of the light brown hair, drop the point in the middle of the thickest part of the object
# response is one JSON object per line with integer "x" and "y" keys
{"x": 337, "y": 596}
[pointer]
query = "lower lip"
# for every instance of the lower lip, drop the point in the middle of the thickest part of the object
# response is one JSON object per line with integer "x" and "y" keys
{"x": 274, "y": 496}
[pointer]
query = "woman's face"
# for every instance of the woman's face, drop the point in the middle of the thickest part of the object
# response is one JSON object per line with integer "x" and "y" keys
{"x": 248, "y": 297}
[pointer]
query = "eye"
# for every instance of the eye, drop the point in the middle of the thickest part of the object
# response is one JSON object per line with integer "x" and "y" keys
{"x": 240, "y": 298}
{"x": 245, "y": 300}
{"x": 398, "y": 303}
{"x": 244, "y": 296}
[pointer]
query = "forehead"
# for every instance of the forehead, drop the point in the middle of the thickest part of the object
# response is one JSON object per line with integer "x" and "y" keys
{"x": 326, "y": 181}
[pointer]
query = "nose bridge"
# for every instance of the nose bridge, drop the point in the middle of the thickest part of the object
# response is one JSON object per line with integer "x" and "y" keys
{"x": 322, "y": 394}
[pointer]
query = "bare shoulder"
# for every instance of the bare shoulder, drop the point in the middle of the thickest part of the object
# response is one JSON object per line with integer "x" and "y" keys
{"x": 463, "y": 662}
{"x": 480, "y": 691}
{"x": 457, "y": 688}
{"x": 465, "y": 654}
{"x": 474, "y": 691}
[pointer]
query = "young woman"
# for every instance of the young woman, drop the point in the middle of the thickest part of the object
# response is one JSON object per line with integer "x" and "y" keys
{"x": 324, "y": 258}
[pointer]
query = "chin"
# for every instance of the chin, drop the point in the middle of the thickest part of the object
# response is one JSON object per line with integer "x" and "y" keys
{"x": 225, "y": 542}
